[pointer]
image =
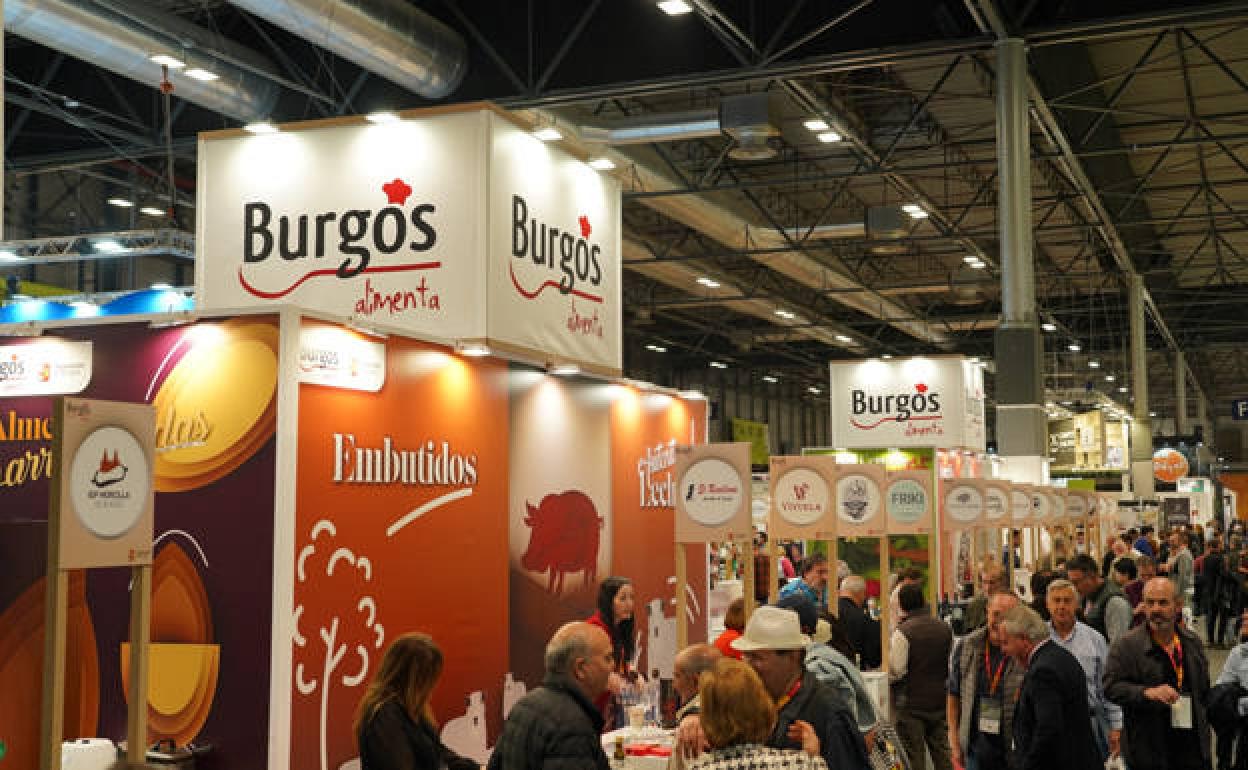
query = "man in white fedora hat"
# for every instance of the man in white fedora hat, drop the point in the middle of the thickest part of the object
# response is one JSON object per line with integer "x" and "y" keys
{"x": 775, "y": 647}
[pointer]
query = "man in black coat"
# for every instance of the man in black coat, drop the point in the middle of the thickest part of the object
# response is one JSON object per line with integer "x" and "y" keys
{"x": 557, "y": 726}
{"x": 1051, "y": 726}
{"x": 862, "y": 630}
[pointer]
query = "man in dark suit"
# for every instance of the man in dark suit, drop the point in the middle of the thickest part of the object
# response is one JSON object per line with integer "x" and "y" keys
{"x": 1051, "y": 726}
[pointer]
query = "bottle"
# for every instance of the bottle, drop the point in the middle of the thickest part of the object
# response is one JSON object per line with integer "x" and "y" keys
{"x": 618, "y": 758}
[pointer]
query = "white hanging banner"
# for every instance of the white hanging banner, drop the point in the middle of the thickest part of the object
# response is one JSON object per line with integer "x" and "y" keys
{"x": 962, "y": 504}
{"x": 45, "y": 367}
{"x": 340, "y": 358}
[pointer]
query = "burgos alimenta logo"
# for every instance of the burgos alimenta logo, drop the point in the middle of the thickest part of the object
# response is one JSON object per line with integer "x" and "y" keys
{"x": 869, "y": 411}
{"x": 354, "y": 236}
{"x": 567, "y": 261}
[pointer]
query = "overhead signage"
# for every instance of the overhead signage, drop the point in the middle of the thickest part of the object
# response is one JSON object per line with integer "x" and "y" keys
{"x": 554, "y": 249}
{"x": 1078, "y": 505}
{"x": 1021, "y": 504}
{"x": 452, "y": 226}
{"x": 1169, "y": 465}
{"x": 802, "y": 498}
{"x": 996, "y": 502}
{"x": 339, "y": 358}
{"x": 914, "y": 402}
{"x": 1191, "y": 484}
{"x": 45, "y": 367}
{"x": 104, "y": 458}
{"x": 756, "y": 435}
{"x": 1239, "y": 409}
{"x": 908, "y": 502}
{"x": 1057, "y": 497}
{"x": 860, "y": 500}
{"x": 712, "y": 492}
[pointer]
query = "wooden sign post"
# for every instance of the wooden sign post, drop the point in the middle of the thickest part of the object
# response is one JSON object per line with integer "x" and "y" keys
{"x": 100, "y": 514}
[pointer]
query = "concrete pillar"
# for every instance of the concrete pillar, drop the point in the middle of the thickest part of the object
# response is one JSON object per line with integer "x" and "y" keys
{"x": 1141, "y": 426}
{"x": 1180, "y": 394}
{"x": 1022, "y": 439}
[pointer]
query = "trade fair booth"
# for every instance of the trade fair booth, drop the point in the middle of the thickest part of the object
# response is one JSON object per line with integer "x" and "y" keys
{"x": 372, "y": 423}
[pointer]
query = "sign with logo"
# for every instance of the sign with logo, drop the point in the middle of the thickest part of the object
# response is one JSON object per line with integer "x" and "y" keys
{"x": 996, "y": 502}
{"x": 1239, "y": 409}
{"x": 103, "y": 515}
{"x": 1078, "y": 505}
{"x": 1058, "y": 497}
{"x": 756, "y": 435}
{"x": 925, "y": 401}
{"x": 1041, "y": 506}
{"x": 712, "y": 492}
{"x": 1020, "y": 504}
{"x": 340, "y": 358}
{"x": 554, "y": 250}
{"x": 908, "y": 502}
{"x": 1176, "y": 511}
{"x": 1169, "y": 465}
{"x": 962, "y": 504}
{"x": 1192, "y": 484}
{"x": 381, "y": 223}
{"x": 801, "y": 498}
{"x": 860, "y": 500}
{"x": 45, "y": 367}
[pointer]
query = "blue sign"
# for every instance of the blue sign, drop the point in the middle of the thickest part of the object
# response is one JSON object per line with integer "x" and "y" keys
{"x": 1239, "y": 409}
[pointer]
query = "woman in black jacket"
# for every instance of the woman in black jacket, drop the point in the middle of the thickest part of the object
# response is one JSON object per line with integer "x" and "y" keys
{"x": 394, "y": 722}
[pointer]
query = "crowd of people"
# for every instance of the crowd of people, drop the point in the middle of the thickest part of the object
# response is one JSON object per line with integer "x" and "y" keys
{"x": 1103, "y": 664}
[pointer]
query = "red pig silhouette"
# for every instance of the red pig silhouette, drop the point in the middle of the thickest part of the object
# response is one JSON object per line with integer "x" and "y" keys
{"x": 565, "y": 537}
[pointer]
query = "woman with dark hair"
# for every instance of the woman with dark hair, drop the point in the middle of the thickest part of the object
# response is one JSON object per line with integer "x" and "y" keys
{"x": 394, "y": 724}
{"x": 614, "y": 615}
{"x": 1039, "y": 585}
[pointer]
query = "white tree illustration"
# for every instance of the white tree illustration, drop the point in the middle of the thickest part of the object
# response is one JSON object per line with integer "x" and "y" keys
{"x": 360, "y": 630}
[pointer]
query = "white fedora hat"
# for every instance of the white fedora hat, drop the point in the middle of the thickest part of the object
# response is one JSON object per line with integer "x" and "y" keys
{"x": 772, "y": 628}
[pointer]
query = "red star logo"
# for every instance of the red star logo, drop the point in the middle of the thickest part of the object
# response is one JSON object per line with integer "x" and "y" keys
{"x": 921, "y": 388}
{"x": 585, "y": 228}
{"x": 397, "y": 191}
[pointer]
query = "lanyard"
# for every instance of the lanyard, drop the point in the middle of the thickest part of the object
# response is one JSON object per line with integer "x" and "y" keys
{"x": 788, "y": 696}
{"x": 1176, "y": 660}
{"x": 995, "y": 679}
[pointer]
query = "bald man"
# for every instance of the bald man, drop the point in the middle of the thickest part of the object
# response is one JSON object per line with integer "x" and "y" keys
{"x": 1158, "y": 674}
{"x": 688, "y": 667}
{"x": 557, "y": 725}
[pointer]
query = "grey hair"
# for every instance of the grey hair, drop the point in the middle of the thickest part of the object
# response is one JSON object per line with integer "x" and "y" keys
{"x": 696, "y": 659}
{"x": 564, "y": 648}
{"x": 1024, "y": 621}
{"x": 854, "y": 584}
{"x": 1060, "y": 584}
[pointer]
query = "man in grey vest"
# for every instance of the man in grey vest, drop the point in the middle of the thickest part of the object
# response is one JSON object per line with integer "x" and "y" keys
{"x": 917, "y": 667}
{"x": 983, "y": 686}
{"x": 1104, "y": 606}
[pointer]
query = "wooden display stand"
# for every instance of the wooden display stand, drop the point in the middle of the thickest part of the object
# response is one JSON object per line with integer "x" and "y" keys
{"x": 100, "y": 514}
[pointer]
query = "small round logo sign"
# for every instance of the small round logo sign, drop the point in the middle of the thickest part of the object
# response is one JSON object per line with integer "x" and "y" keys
{"x": 1020, "y": 505}
{"x": 109, "y": 479}
{"x": 906, "y": 501}
{"x": 1076, "y": 506}
{"x": 964, "y": 503}
{"x": 996, "y": 504}
{"x": 802, "y": 497}
{"x": 1041, "y": 507}
{"x": 1169, "y": 465}
{"x": 712, "y": 491}
{"x": 857, "y": 498}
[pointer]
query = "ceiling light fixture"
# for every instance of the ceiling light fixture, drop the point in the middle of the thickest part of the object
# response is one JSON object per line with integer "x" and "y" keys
{"x": 109, "y": 246}
{"x": 473, "y": 349}
{"x": 844, "y": 338}
{"x": 709, "y": 283}
{"x": 172, "y": 62}
{"x": 828, "y": 137}
{"x": 151, "y": 211}
{"x": 548, "y": 134}
{"x": 656, "y": 348}
{"x": 120, "y": 203}
{"x": 674, "y": 7}
{"x": 202, "y": 75}
{"x": 718, "y": 365}
{"x": 816, "y": 125}
{"x": 1048, "y": 327}
{"x": 602, "y": 164}
{"x": 1123, "y": 388}
{"x": 565, "y": 369}
{"x": 10, "y": 256}
{"x": 770, "y": 378}
{"x": 887, "y": 356}
{"x": 382, "y": 117}
{"x": 970, "y": 259}
{"x": 1094, "y": 364}
{"x": 1109, "y": 378}
{"x": 976, "y": 265}
{"x": 162, "y": 286}
{"x": 813, "y": 389}
{"x": 260, "y": 127}
{"x": 1074, "y": 347}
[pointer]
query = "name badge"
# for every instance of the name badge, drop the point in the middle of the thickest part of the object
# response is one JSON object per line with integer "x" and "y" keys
{"x": 1181, "y": 713}
{"x": 990, "y": 711}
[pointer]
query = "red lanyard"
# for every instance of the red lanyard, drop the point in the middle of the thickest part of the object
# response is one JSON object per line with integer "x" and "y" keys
{"x": 788, "y": 696}
{"x": 995, "y": 679}
{"x": 1176, "y": 660}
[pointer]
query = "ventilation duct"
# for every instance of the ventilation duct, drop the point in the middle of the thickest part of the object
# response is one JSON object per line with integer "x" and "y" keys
{"x": 391, "y": 38}
{"x": 121, "y": 38}
{"x": 661, "y": 127}
{"x": 747, "y": 119}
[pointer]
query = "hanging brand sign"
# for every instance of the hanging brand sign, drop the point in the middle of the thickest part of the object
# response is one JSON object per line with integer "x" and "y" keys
{"x": 937, "y": 401}
{"x": 1059, "y": 513}
{"x": 1077, "y": 505}
{"x": 454, "y": 225}
{"x": 908, "y": 502}
{"x": 102, "y": 514}
{"x": 45, "y": 367}
{"x": 712, "y": 492}
{"x": 962, "y": 504}
{"x": 1169, "y": 465}
{"x": 860, "y": 500}
{"x": 1041, "y": 506}
{"x": 996, "y": 502}
{"x": 340, "y": 358}
{"x": 1020, "y": 504}
{"x": 802, "y": 497}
